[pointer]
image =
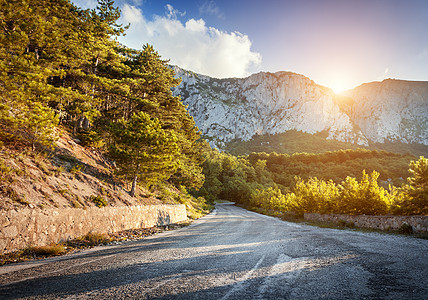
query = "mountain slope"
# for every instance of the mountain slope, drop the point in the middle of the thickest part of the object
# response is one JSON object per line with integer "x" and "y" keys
{"x": 394, "y": 110}
{"x": 263, "y": 103}
{"x": 271, "y": 103}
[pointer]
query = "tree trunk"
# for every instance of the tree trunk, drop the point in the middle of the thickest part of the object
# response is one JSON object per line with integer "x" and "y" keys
{"x": 134, "y": 186}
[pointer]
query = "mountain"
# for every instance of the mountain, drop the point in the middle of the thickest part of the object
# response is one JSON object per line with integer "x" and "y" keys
{"x": 391, "y": 110}
{"x": 233, "y": 109}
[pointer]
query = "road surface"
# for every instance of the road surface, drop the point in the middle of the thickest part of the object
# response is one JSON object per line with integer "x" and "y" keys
{"x": 233, "y": 254}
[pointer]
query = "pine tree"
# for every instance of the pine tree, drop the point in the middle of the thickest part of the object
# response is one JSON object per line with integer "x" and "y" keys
{"x": 414, "y": 199}
{"x": 28, "y": 57}
{"x": 143, "y": 150}
{"x": 158, "y": 100}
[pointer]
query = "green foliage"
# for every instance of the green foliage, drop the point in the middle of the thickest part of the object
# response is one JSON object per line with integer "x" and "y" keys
{"x": 99, "y": 201}
{"x": 76, "y": 169}
{"x": 142, "y": 149}
{"x": 364, "y": 197}
{"x": 314, "y": 195}
{"x": 281, "y": 182}
{"x": 294, "y": 141}
{"x": 289, "y": 142}
{"x": 62, "y": 65}
{"x": 270, "y": 198}
{"x": 335, "y": 165}
{"x": 232, "y": 178}
{"x": 40, "y": 48}
{"x": 91, "y": 138}
{"x": 414, "y": 199}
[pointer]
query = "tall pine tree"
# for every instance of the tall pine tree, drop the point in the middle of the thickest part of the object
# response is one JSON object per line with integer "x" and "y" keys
{"x": 143, "y": 150}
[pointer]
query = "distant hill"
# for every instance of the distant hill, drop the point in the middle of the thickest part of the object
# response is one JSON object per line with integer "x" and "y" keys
{"x": 294, "y": 141}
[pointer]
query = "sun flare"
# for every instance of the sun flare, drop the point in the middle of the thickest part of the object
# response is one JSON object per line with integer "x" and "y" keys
{"x": 339, "y": 86}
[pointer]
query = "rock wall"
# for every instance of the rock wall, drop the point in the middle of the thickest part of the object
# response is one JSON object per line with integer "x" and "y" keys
{"x": 41, "y": 227}
{"x": 418, "y": 223}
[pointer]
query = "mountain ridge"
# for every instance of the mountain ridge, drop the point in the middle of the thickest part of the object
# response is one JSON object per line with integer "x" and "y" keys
{"x": 228, "y": 109}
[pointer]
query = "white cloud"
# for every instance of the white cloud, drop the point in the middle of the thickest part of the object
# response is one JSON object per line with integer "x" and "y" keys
{"x": 132, "y": 15}
{"x": 172, "y": 13}
{"x": 211, "y": 8}
{"x": 192, "y": 45}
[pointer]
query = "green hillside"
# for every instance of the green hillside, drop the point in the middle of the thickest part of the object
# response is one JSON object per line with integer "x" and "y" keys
{"x": 294, "y": 141}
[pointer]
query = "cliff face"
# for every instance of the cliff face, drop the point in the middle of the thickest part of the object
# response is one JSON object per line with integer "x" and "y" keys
{"x": 269, "y": 103}
{"x": 263, "y": 103}
{"x": 394, "y": 110}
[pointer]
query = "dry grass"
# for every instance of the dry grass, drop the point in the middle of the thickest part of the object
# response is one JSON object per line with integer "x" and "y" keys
{"x": 45, "y": 251}
{"x": 89, "y": 240}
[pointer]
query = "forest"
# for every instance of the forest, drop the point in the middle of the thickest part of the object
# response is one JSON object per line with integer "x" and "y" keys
{"x": 61, "y": 67}
{"x": 344, "y": 181}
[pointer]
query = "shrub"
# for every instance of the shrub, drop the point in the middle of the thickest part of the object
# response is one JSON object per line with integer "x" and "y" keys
{"x": 89, "y": 240}
{"x": 95, "y": 238}
{"x": 314, "y": 195}
{"x": 414, "y": 199}
{"x": 76, "y": 169}
{"x": 59, "y": 170}
{"x": 405, "y": 229}
{"x": 364, "y": 197}
{"x": 99, "y": 201}
{"x": 91, "y": 138}
{"x": 270, "y": 198}
{"x": 50, "y": 250}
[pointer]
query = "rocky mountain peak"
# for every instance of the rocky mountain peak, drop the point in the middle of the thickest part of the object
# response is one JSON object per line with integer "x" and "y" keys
{"x": 270, "y": 103}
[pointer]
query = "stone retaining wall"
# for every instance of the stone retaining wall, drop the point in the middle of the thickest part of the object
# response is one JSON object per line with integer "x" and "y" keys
{"x": 20, "y": 228}
{"x": 418, "y": 223}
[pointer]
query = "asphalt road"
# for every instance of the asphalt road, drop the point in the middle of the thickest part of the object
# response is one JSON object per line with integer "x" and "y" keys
{"x": 233, "y": 254}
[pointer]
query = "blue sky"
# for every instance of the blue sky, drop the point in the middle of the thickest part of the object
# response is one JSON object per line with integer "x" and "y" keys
{"x": 336, "y": 43}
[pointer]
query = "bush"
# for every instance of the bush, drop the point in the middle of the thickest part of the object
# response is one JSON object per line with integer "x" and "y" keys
{"x": 76, "y": 169}
{"x": 314, "y": 196}
{"x": 51, "y": 250}
{"x": 270, "y": 198}
{"x": 414, "y": 197}
{"x": 99, "y": 201}
{"x": 91, "y": 138}
{"x": 364, "y": 197}
{"x": 405, "y": 229}
{"x": 89, "y": 240}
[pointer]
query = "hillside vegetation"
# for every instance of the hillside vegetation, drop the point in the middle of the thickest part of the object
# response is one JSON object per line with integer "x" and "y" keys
{"x": 293, "y": 141}
{"x": 85, "y": 121}
{"x": 332, "y": 182}
{"x": 62, "y": 70}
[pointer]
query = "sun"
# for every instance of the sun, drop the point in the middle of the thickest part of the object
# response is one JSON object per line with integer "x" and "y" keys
{"x": 339, "y": 85}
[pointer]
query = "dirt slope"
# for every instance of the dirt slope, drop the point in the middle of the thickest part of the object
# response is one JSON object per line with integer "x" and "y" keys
{"x": 70, "y": 176}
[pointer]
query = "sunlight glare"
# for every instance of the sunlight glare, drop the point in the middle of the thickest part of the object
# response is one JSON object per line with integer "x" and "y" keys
{"x": 339, "y": 85}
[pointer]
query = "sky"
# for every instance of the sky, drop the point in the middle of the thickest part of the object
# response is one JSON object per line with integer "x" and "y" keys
{"x": 337, "y": 43}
